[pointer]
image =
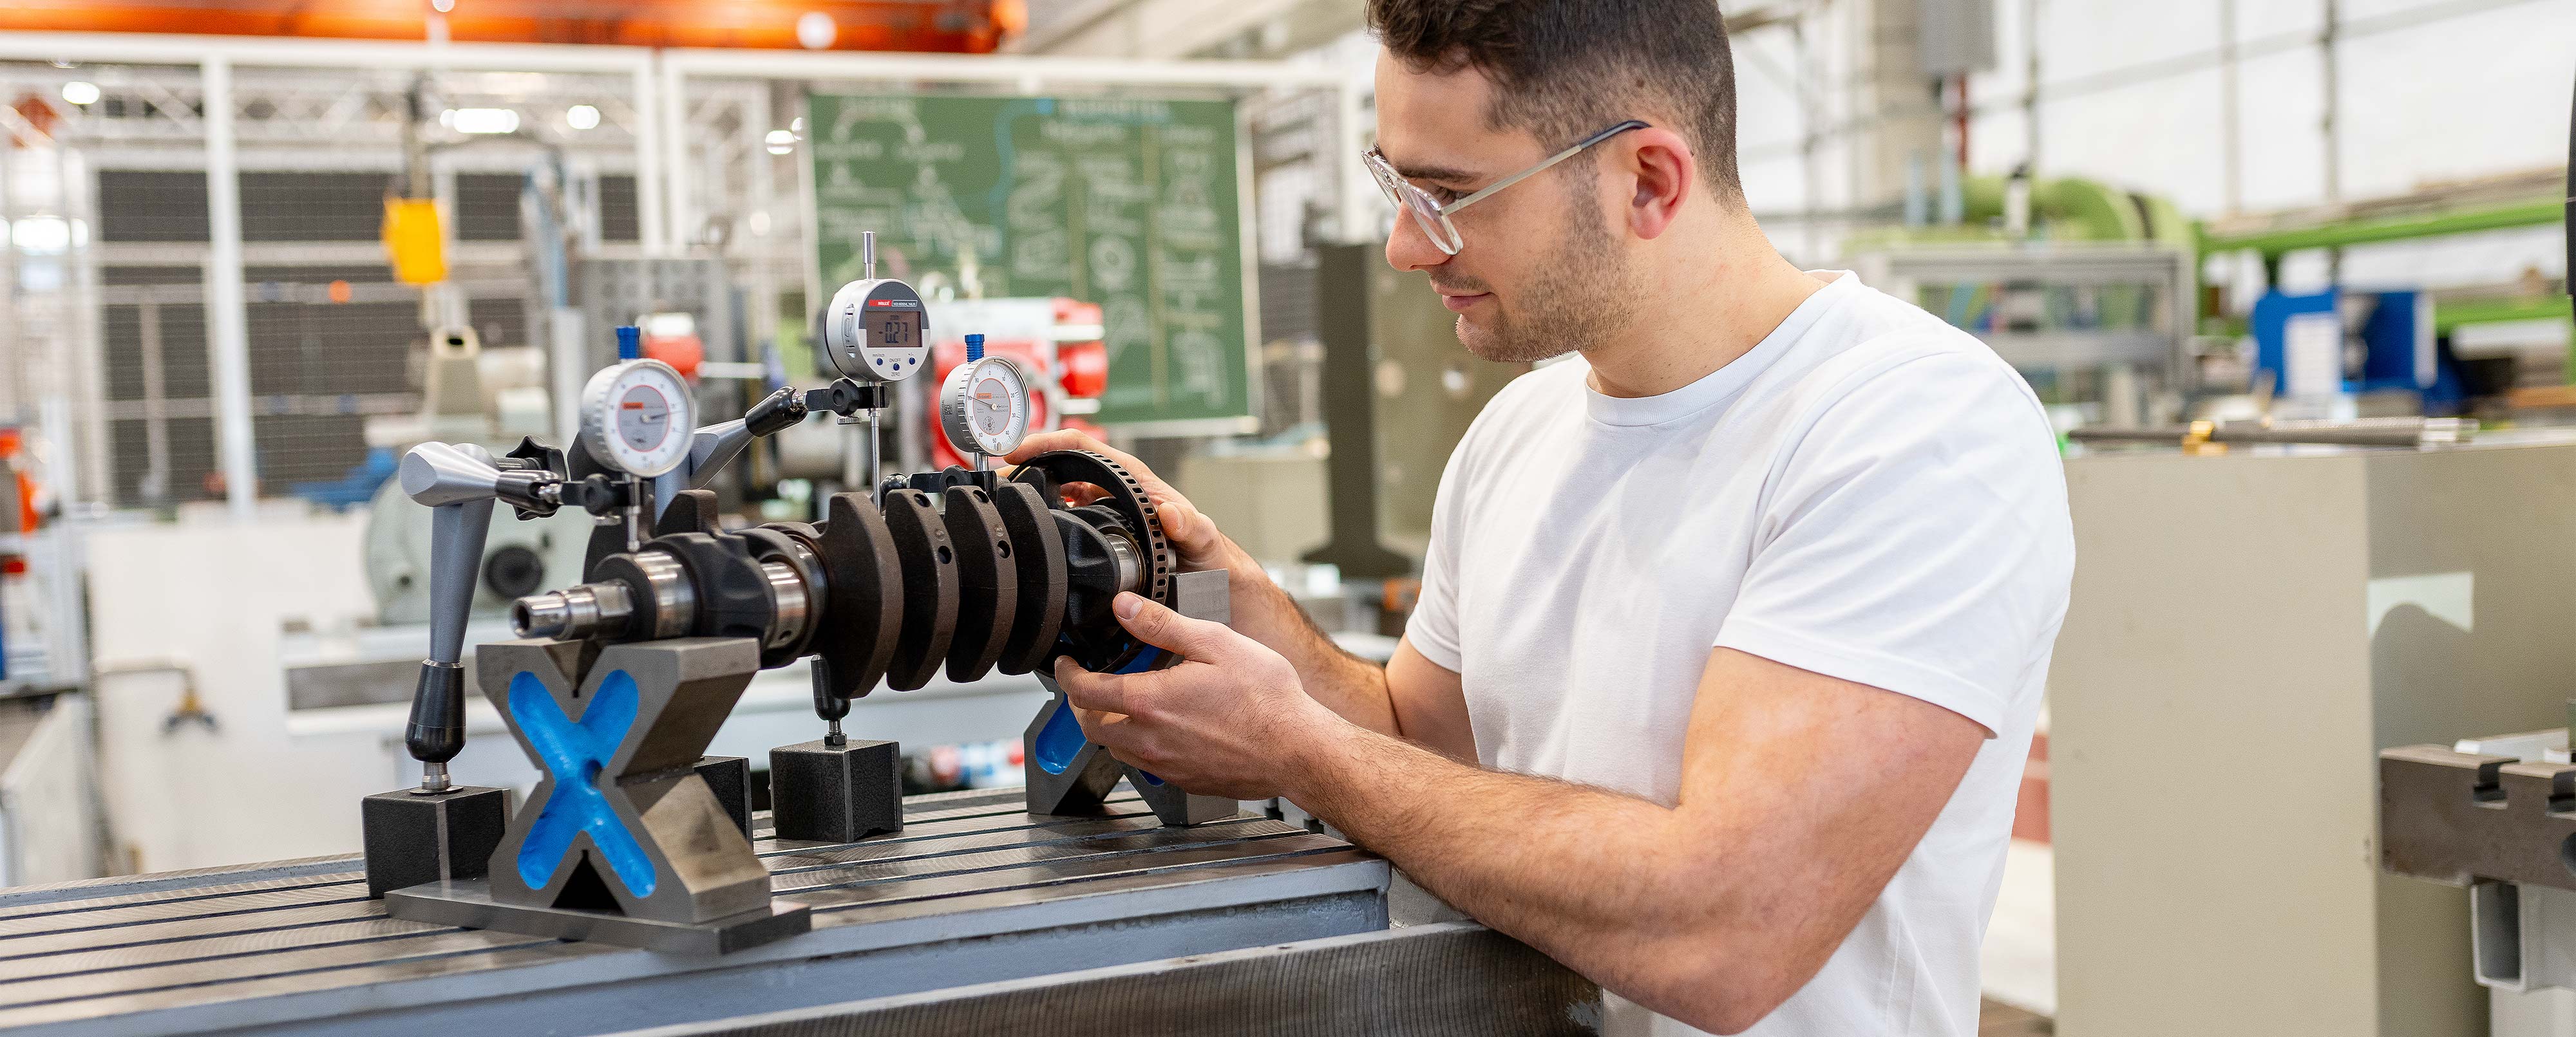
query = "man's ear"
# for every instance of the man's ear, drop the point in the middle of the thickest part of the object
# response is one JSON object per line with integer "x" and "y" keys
{"x": 1666, "y": 173}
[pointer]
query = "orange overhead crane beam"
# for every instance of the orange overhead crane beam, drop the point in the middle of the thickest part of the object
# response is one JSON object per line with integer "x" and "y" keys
{"x": 946, "y": 26}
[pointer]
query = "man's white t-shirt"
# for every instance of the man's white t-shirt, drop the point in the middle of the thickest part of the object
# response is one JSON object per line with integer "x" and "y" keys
{"x": 1868, "y": 494}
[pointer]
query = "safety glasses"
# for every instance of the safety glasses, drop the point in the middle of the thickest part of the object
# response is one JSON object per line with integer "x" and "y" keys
{"x": 1433, "y": 217}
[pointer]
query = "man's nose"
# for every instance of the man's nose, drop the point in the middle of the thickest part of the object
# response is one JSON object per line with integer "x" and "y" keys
{"x": 1409, "y": 249}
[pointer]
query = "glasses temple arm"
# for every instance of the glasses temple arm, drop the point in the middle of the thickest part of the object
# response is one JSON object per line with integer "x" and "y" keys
{"x": 1542, "y": 167}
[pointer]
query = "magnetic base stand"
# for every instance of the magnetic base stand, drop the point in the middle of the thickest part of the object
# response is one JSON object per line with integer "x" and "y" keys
{"x": 819, "y": 792}
{"x": 413, "y": 837}
{"x": 469, "y": 903}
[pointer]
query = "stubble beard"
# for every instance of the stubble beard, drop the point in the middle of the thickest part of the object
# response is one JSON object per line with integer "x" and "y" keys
{"x": 1572, "y": 302}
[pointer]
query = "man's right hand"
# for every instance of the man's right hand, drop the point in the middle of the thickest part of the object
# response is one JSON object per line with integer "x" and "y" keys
{"x": 1431, "y": 707}
{"x": 1194, "y": 538}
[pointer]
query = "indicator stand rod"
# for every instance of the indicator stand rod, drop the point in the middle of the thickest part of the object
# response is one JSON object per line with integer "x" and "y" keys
{"x": 867, "y": 255}
{"x": 861, "y": 470}
{"x": 860, "y": 406}
{"x": 638, "y": 522}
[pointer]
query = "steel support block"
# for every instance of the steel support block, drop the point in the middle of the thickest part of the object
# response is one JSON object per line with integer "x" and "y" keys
{"x": 2453, "y": 817}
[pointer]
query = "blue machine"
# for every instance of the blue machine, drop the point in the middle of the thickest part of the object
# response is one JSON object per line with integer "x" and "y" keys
{"x": 2338, "y": 342}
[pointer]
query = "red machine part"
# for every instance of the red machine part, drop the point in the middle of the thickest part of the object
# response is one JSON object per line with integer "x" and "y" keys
{"x": 683, "y": 352}
{"x": 969, "y": 26}
{"x": 1080, "y": 370}
{"x": 672, "y": 338}
{"x": 1084, "y": 364}
{"x": 13, "y": 466}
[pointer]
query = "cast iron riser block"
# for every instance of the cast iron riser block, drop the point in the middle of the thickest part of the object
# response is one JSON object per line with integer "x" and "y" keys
{"x": 413, "y": 838}
{"x": 835, "y": 793}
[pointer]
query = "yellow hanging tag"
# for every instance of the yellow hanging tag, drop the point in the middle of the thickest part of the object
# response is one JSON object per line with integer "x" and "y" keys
{"x": 413, "y": 243}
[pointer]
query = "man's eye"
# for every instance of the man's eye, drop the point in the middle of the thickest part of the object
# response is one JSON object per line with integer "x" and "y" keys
{"x": 1442, "y": 195}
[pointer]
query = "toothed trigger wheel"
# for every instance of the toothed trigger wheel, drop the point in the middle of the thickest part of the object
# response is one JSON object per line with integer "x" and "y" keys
{"x": 1111, "y": 545}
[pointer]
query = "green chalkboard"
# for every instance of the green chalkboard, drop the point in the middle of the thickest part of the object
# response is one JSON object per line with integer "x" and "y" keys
{"x": 1133, "y": 204}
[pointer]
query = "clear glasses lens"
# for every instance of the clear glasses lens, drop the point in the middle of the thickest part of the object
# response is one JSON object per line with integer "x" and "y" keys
{"x": 1426, "y": 213}
{"x": 1424, "y": 208}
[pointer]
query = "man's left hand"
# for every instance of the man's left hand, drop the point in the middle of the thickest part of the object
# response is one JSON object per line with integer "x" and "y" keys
{"x": 1230, "y": 720}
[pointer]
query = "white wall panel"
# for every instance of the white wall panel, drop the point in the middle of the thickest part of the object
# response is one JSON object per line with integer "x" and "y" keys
{"x": 2260, "y": 19}
{"x": 2280, "y": 106}
{"x": 1775, "y": 185}
{"x": 1997, "y": 141}
{"x": 1767, "y": 111}
{"x": 2084, "y": 37}
{"x": 2494, "y": 257}
{"x": 2157, "y": 137}
{"x": 2458, "y": 98}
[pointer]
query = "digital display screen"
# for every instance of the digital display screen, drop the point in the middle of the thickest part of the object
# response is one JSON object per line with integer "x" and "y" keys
{"x": 894, "y": 329}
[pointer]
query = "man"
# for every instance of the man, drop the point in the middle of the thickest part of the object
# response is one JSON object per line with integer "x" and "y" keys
{"x": 1731, "y": 636}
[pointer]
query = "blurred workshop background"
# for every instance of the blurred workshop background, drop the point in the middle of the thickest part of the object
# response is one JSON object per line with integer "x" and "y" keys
{"x": 252, "y": 252}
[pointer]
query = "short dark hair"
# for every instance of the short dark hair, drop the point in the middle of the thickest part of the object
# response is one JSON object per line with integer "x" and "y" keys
{"x": 1563, "y": 69}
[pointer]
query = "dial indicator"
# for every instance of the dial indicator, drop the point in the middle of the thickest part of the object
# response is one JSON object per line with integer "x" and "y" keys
{"x": 984, "y": 408}
{"x": 636, "y": 417}
{"x": 876, "y": 331}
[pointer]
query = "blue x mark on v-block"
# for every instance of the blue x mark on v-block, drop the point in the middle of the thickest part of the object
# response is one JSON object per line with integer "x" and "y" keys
{"x": 574, "y": 753}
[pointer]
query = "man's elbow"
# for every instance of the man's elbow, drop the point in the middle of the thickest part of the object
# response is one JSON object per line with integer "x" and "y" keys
{"x": 1732, "y": 1012}
{"x": 1724, "y": 989}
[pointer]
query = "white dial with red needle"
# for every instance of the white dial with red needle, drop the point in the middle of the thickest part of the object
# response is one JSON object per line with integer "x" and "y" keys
{"x": 984, "y": 408}
{"x": 637, "y": 417}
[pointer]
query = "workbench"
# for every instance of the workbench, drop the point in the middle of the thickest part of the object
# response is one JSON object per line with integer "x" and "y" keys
{"x": 973, "y": 890}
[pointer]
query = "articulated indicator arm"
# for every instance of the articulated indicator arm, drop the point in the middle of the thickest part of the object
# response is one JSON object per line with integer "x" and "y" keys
{"x": 461, "y": 483}
{"x": 715, "y": 446}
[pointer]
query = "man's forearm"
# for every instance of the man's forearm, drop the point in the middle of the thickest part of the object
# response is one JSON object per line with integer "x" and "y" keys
{"x": 1345, "y": 683}
{"x": 1605, "y": 883}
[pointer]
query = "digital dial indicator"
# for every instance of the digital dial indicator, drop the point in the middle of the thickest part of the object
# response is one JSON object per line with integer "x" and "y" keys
{"x": 636, "y": 417}
{"x": 984, "y": 408}
{"x": 876, "y": 331}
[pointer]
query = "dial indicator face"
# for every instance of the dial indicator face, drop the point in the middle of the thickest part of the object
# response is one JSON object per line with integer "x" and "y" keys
{"x": 643, "y": 417}
{"x": 985, "y": 407}
{"x": 636, "y": 417}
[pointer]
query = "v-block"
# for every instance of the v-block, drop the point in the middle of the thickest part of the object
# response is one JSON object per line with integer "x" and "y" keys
{"x": 620, "y": 821}
{"x": 1069, "y": 774}
{"x": 623, "y": 841}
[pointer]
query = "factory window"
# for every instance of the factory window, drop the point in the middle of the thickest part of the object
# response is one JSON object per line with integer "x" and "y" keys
{"x": 618, "y": 218}
{"x": 313, "y": 206}
{"x": 151, "y": 205}
{"x": 161, "y": 440}
{"x": 487, "y": 207}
